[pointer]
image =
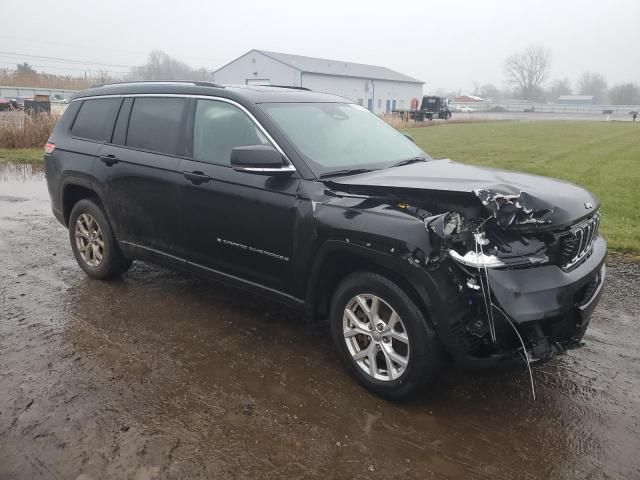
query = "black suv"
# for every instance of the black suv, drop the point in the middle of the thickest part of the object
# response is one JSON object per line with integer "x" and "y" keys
{"x": 316, "y": 202}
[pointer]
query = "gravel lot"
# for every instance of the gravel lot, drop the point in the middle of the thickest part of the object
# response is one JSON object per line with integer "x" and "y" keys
{"x": 159, "y": 375}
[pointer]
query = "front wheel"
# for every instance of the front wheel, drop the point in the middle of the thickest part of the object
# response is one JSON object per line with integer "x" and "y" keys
{"x": 93, "y": 242}
{"x": 382, "y": 336}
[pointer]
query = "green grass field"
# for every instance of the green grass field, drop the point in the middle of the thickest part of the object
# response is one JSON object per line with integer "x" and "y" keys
{"x": 602, "y": 157}
{"x": 25, "y": 155}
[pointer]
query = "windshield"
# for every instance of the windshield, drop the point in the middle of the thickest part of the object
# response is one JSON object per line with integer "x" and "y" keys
{"x": 334, "y": 137}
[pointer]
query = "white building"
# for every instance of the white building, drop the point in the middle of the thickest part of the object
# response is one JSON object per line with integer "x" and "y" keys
{"x": 377, "y": 88}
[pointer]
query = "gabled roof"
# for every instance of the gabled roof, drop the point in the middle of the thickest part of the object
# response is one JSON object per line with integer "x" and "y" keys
{"x": 468, "y": 99}
{"x": 323, "y": 66}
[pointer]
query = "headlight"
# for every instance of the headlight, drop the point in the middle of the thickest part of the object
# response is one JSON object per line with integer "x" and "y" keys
{"x": 477, "y": 260}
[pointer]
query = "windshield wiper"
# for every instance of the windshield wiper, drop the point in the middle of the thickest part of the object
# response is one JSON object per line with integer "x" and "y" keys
{"x": 408, "y": 161}
{"x": 340, "y": 173}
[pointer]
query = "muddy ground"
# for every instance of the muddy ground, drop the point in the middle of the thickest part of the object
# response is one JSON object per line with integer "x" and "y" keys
{"x": 159, "y": 375}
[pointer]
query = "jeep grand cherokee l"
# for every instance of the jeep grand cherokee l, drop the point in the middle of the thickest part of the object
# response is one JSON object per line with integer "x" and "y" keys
{"x": 311, "y": 200}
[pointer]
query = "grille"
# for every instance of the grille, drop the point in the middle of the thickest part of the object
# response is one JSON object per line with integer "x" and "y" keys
{"x": 576, "y": 245}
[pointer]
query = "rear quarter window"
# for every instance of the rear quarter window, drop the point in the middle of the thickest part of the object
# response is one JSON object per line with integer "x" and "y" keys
{"x": 96, "y": 118}
{"x": 156, "y": 124}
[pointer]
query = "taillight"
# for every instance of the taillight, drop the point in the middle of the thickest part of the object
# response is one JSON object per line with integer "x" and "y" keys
{"x": 49, "y": 147}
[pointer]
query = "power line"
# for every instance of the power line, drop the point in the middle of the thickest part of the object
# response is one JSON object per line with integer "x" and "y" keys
{"x": 83, "y": 46}
{"x": 87, "y": 65}
{"x": 58, "y": 59}
{"x": 74, "y": 65}
{"x": 58, "y": 67}
{"x": 10, "y": 63}
{"x": 128, "y": 52}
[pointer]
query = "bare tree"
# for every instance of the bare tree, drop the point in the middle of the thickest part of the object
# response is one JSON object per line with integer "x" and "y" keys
{"x": 489, "y": 91}
{"x": 591, "y": 83}
{"x": 625, "y": 94}
{"x": 558, "y": 88}
{"x": 476, "y": 88}
{"x": 160, "y": 66}
{"x": 25, "y": 73}
{"x": 104, "y": 76}
{"x": 527, "y": 70}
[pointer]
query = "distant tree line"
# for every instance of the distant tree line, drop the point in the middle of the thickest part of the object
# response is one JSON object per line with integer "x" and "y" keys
{"x": 159, "y": 66}
{"x": 527, "y": 73}
{"x": 25, "y": 76}
{"x": 527, "y": 77}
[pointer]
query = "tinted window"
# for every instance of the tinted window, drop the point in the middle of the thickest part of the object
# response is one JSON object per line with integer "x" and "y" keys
{"x": 220, "y": 127}
{"x": 156, "y": 124}
{"x": 95, "y": 119}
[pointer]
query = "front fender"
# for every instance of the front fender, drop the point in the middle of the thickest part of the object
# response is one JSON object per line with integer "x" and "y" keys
{"x": 409, "y": 270}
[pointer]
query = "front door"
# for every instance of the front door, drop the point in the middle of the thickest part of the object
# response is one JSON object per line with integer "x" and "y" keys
{"x": 370, "y": 104}
{"x": 237, "y": 224}
{"x": 388, "y": 106}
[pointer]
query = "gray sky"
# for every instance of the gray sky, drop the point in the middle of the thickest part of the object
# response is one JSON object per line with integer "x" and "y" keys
{"x": 461, "y": 42}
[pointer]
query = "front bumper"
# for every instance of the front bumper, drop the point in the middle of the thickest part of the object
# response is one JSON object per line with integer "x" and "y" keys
{"x": 548, "y": 292}
{"x": 550, "y": 308}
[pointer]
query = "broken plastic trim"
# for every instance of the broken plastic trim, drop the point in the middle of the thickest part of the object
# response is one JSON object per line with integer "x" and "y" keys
{"x": 477, "y": 260}
{"x": 444, "y": 224}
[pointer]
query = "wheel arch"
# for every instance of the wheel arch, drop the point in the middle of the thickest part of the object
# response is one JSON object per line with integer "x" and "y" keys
{"x": 335, "y": 260}
{"x": 74, "y": 190}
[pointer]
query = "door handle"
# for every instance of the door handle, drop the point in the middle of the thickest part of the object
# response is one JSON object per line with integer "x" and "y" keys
{"x": 109, "y": 160}
{"x": 196, "y": 177}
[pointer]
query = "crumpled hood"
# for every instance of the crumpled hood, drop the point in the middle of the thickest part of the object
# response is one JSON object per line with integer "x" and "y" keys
{"x": 513, "y": 198}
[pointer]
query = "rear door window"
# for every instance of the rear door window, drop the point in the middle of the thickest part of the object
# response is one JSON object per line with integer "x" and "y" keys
{"x": 219, "y": 127}
{"x": 96, "y": 118}
{"x": 156, "y": 124}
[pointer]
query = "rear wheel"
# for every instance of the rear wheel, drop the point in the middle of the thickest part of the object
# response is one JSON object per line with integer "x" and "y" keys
{"x": 383, "y": 337}
{"x": 93, "y": 243}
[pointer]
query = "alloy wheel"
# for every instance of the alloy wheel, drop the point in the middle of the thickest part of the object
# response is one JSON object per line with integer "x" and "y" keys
{"x": 89, "y": 240}
{"x": 376, "y": 337}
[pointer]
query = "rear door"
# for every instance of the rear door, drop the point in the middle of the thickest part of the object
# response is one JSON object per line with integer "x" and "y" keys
{"x": 140, "y": 177}
{"x": 91, "y": 124}
{"x": 238, "y": 224}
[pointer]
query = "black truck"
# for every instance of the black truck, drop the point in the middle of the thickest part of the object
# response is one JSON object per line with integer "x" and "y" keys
{"x": 311, "y": 200}
{"x": 431, "y": 107}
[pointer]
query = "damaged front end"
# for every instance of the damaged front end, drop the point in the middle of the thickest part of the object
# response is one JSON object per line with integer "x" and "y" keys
{"x": 513, "y": 263}
{"x": 522, "y": 288}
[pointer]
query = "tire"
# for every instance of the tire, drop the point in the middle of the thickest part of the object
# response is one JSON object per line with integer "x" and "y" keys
{"x": 98, "y": 261}
{"x": 424, "y": 356}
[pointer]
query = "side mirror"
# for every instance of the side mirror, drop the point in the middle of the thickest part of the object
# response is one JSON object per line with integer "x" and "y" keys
{"x": 259, "y": 159}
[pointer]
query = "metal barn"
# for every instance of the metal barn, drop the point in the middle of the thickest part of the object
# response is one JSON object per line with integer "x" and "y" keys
{"x": 379, "y": 89}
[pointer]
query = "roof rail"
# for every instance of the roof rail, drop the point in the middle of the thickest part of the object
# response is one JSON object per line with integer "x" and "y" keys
{"x": 293, "y": 87}
{"x": 198, "y": 83}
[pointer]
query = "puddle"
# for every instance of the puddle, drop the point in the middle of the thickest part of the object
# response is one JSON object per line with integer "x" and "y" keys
{"x": 22, "y": 189}
{"x": 20, "y": 172}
